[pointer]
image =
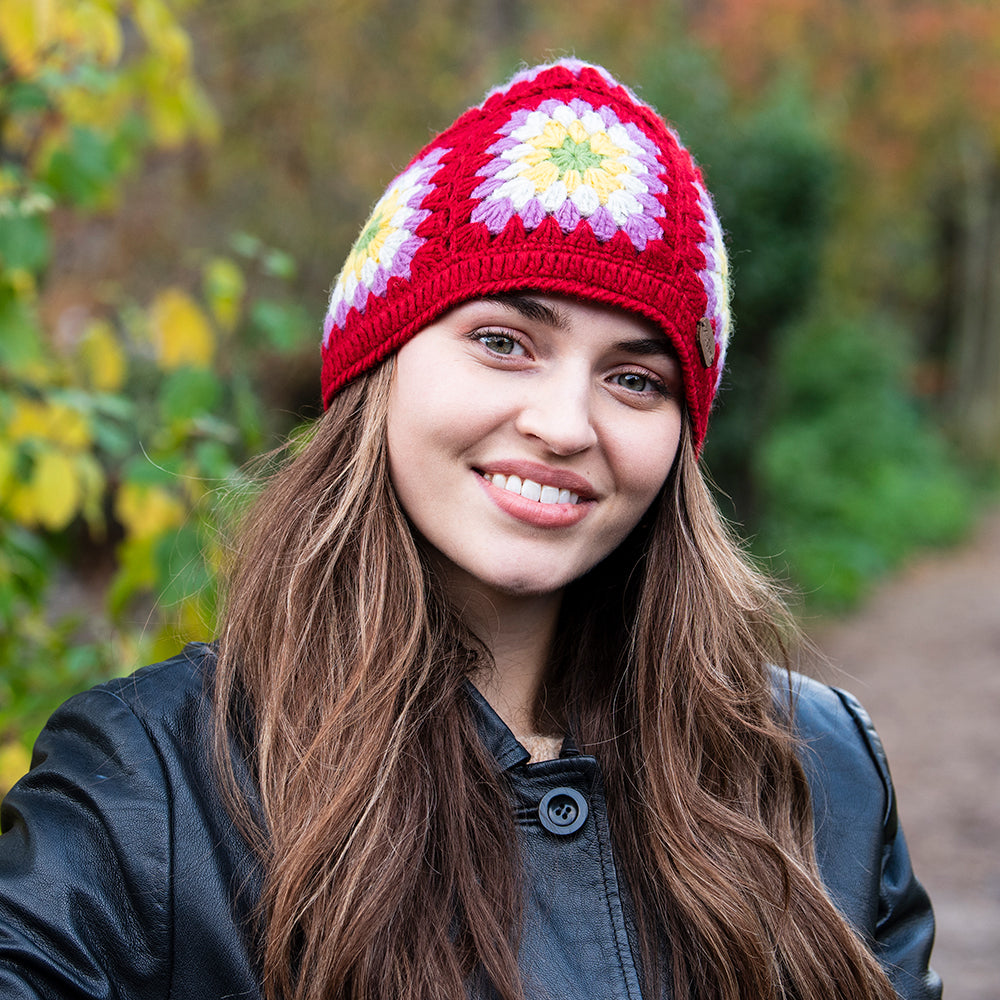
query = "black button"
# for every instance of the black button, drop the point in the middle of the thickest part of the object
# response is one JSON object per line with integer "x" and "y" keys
{"x": 563, "y": 811}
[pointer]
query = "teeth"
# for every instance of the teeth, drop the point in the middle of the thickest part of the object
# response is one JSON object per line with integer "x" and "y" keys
{"x": 531, "y": 490}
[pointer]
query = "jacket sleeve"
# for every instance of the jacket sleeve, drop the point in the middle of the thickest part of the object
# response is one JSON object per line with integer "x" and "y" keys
{"x": 904, "y": 929}
{"x": 85, "y": 861}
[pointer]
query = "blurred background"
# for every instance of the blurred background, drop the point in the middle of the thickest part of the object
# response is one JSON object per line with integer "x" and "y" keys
{"x": 180, "y": 182}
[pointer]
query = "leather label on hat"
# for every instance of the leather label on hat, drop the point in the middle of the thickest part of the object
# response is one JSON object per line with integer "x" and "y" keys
{"x": 706, "y": 342}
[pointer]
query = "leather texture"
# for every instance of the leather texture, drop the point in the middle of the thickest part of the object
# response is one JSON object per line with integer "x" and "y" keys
{"x": 122, "y": 876}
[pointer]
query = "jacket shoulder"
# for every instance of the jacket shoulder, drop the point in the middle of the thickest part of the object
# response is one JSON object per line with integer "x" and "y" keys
{"x": 159, "y": 693}
{"x": 860, "y": 847}
{"x": 833, "y": 725}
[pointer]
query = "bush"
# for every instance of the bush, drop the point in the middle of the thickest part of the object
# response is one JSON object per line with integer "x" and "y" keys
{"x": 853, "y": 477}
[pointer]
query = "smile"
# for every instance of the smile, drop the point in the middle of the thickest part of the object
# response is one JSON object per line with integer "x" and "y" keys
{"x": 530, "y": 490}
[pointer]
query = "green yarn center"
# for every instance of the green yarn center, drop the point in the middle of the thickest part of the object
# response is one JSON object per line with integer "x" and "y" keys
{"x": 575, "y": 156}
{"x": 368, "y": 233}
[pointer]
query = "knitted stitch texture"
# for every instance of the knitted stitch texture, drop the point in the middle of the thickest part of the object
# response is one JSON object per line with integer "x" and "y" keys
{"x": 562, "y": 181}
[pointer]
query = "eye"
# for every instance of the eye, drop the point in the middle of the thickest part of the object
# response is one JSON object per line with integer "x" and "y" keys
{"x": 639, "y": 382}
{"x": 500, "y": 343}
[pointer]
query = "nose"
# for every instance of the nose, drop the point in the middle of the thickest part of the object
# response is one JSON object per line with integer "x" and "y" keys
{"x": 557, "y": 412}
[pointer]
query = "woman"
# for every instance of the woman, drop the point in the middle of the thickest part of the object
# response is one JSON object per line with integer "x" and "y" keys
{"x": 491, "y": 712}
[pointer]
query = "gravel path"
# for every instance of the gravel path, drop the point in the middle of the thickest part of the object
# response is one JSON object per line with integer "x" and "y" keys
{"x": 924, "y": 657}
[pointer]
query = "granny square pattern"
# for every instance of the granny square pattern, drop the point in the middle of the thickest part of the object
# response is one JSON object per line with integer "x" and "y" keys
{"x": 387, "y": 243}
{"x": 572, "y": 161}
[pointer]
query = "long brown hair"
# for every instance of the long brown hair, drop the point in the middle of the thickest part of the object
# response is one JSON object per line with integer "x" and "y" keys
{"x": 388, "y": 850}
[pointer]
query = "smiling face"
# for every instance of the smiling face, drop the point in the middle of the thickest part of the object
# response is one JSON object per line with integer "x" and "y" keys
{"x": 527, "y": 436}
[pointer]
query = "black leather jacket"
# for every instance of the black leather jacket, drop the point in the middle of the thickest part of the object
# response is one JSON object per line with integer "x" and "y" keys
{"x": 121, "y": 876}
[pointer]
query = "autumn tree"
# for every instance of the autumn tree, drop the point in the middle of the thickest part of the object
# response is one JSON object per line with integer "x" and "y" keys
{"x": 118, "y": 417}
{"x": 911, "y": 90}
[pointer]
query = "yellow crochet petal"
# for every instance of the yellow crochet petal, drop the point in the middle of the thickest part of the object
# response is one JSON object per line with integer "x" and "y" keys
{"x": 602, "y": 182}
{"x": 577, "y": 132}
{"x": 553, "y": 135}
{"x": 600, "y": 143}
{"x": 535, "y": 157}
{"x": 542, "y": 175}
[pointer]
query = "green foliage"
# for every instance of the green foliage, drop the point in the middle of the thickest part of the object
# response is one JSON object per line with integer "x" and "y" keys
{"x": 772, "y": 173}
{"x": 853, "y": 478}
{"x": 116, "y": 437}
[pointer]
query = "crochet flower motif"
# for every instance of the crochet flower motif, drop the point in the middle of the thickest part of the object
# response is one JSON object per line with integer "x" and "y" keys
{"x": 387, "y": 244}
{"x": 572, "y": 161}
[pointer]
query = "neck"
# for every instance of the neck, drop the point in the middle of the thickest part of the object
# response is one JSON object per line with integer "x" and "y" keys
{"x": 518, "y": 631}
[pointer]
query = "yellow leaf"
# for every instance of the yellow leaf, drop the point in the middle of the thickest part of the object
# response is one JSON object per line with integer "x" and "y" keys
{"x": 147, "y": 511}
{"x": 68, "y": 427}
{"x": 56, "y": 489}
{"x": 47, "y": 421}
{"x": 21, "y": 504}
{"x": 95, "y": 30}
{"x": 26, "y": 30}
{"x": 182, "y": 334}
{"x": 14, "y": 763}
{"x": 162, "y": 32}
{"x": 7, "y": 459}
{"x": 102, "y": 357}
{"x": 29, "y": 420}
{"x": 224, "y": 287}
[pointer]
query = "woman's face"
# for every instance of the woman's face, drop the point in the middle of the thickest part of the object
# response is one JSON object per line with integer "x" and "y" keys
{"x": 528, "y": 434}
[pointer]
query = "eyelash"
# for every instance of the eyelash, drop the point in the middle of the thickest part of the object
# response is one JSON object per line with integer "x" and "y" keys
{"x": 482, "y": 336}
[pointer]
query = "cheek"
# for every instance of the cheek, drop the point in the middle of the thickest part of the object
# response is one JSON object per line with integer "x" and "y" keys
{"x": 644, "y": 461}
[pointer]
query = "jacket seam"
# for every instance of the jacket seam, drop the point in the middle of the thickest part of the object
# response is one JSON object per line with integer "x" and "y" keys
{"x": 611, "y": 888}
{"x": 169, "y": 806}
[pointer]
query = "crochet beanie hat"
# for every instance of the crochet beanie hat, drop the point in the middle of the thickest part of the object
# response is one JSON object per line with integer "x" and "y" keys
{"x": 562, "y": 181}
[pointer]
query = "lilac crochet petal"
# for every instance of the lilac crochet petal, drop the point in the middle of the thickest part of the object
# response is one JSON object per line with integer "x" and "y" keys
{"x": 380, "y": 280}
{"x": 608, "y": 116}
{"x": 640, "y": 230}
{"x": 713, "y": 301}
{"x": 328, "y": 324}
{"x": 488, "y": 186}
{"x": 532, "y": 215}
{"x": 405, "y": 256}
{"x": 505, "y": 143}
{"x": 603, "y": 225}
{"x": 495, "y": 214}
{"x": 650, "y": 204}
{"x": 340, "y": 314}
{"x": 568, "y": 215}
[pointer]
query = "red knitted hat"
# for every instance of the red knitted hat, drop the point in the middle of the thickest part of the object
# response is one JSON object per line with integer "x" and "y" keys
{"x": 562, "y": 181}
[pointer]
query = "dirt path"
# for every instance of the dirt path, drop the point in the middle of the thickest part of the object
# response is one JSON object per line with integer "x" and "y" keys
{"x": 924, "y": 657}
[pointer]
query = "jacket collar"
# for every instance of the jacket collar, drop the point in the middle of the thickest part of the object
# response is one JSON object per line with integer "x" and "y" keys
{"x": 498, "y": 739}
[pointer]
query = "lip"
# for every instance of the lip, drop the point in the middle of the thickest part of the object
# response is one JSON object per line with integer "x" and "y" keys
{"x": 531, "y": 512}
{"x": 544, "y": 474}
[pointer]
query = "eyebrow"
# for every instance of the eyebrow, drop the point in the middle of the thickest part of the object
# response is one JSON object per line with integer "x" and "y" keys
{"x": 539, "y": 312}
{"x": 530, "y": 308}
{"x": 652, "y": 346}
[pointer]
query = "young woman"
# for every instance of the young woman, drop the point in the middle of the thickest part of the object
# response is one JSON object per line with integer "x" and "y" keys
{"x": 492, "y": 712}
